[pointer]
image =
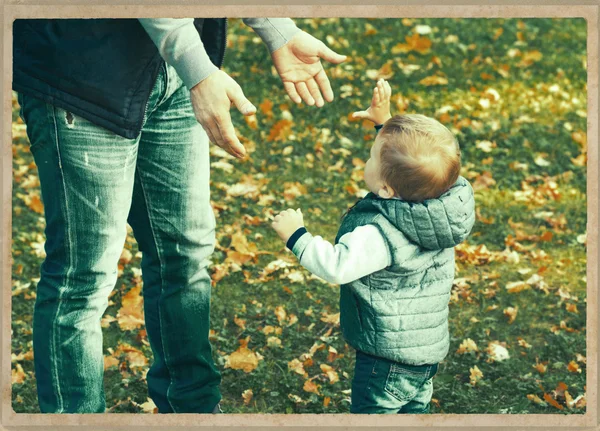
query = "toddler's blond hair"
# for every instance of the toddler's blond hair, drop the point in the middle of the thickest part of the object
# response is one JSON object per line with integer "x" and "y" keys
{"x": 420, "y": 157}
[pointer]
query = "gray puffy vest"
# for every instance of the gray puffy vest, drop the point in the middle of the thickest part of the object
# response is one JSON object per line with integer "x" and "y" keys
{"x": 401, "y": 312}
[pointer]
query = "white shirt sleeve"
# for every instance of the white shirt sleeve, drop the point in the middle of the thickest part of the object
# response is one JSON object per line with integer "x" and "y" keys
{"x": 358, "y": 253}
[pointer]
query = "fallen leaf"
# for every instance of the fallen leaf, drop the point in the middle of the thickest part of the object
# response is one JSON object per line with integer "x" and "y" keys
{"x": 243, "y": 359}
{"x": 297, "y": 367}
{"x": 131, "y": 314}
{"x": 511, "y": 313}
{"x": 552, "y": 401}
{"x": 18, "y": 374}
{"x": 475, "y": 375}
{"x": 110, "y": 361}
{"x": 310, "y": 386}
{"x": 466, "y": 346}
{"x": 247, "y": 396}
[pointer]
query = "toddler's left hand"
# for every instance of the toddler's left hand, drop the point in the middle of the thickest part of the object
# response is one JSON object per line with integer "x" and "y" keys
{"x": 287, "y": 222}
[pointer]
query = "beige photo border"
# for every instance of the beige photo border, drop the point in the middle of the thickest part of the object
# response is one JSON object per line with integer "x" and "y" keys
{"x": 14, "y": 9}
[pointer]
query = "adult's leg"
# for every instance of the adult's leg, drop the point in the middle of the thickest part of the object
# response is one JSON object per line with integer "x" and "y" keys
{"x": 86, "y": 175}
{"x": 174, "y": 225}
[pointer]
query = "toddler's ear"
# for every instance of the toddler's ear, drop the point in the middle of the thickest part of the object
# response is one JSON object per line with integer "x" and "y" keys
{"x": 386, "y": 192}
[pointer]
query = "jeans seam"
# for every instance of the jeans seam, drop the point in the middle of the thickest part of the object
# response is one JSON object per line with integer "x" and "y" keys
{"x": 55, "y": 326}
{"x": 162, "y": 278}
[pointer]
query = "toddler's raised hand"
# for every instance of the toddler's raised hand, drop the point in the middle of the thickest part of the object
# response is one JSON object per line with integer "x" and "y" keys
{"x": 379, "y": 111}
{"x": 287, "y": 222}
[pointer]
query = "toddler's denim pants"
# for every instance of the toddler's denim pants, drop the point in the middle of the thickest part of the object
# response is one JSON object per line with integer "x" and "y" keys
{"x": 384, "y": 386}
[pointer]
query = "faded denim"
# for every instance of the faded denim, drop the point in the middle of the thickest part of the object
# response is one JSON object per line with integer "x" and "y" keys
{"x": 383, "y": 386}
{"x": 93, "y": 183}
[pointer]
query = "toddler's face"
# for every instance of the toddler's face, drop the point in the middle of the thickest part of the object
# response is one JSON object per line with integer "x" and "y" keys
{"x": 373, "y": 169}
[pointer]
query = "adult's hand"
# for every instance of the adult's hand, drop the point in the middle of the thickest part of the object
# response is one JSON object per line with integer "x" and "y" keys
{"x": 299, "y": 66}
{"x": 211, "y": 99}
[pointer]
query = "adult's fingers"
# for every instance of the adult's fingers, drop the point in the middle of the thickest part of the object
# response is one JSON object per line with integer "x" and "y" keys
{"x": 315, "y": 92}
{"x": 290, "y": 87}
{"x": 324, "y": 84}
{"x": 236, "y": 95}
{"x": 231, "y": 143}
{"x": 302, "y": 90}
{"x": 330, "y": 55}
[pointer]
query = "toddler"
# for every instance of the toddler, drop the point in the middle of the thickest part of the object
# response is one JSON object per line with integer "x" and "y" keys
{"x": 394, "y": 258}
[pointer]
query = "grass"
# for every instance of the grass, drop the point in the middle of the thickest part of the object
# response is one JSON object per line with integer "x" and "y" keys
{"x": 535, "y": 124}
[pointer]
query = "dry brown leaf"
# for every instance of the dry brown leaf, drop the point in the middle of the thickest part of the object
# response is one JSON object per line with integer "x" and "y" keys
{"x": 475, "y": 375}
{"x": 310, "y": 386}
{"x": 467, "y": 345}
{"x": 333, "y": 319}
{"x": 110, "y": 361}
{"x": 552, "y": 401}
{"x": 573, "y": 367}
{"x": 131, "y": 313}
{"x": 239, "y": 322}
{"x": 332, "y": 375}
{"x": 18, "y": 374}
{"x": 149, "y": 406}
{"x": 243, "y": 359}
{"x": 280, "y": 313}
{"x": 536, "y": 399}
{"x": 511, "y": 313}
{"x": 297, "y": 367}
{"x": 247, "y": 396}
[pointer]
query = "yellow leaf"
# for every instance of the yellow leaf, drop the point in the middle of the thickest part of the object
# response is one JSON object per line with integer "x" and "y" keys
{"x": 131, "y": 313}
{"x": 330, "y": 372}
{"x": 239, "y": 322}
{"x": 552, "y": 401}
{"x": 511, "y": 313}
{"x": 135, "y": 357}
{"x": 331, "y": 318}
{"x": 326, "y": 401}
{"x": 467, "y": 345}
{"x": 433, "y": 80}
{"x": 280, "y": 314}
{"x": 573, "y": 367}
{"x": 516, "y": 286}
{"x": 110, "y": 361}
{"x": 310, "y": 386}
{"x": 149, "y": 406}
{"x": 475, "y": 375}
{"x": 18, "y": 374}
{"x": 247, "y": 396}
{"x": 293, "y": 190}
{"x": 572, "y": 308}
{"x": 273, "y": 342}
{"x": 297, "y": 367}
{"x": 243, "y": 359}
{"x": 536, "y": 399}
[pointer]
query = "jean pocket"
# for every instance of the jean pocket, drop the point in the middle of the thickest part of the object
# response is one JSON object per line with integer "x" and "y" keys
{"x": 404, "y": 382}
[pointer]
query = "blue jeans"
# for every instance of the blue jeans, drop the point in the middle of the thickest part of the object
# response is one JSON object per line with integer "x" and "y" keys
{"x": 384, "y": 386}
{"x": 93, "y": 183}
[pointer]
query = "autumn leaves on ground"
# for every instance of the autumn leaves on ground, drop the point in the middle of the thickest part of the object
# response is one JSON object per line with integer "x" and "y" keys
{"x": 514, "y": 92}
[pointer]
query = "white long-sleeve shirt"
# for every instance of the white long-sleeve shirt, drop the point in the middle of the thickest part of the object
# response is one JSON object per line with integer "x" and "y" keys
{"x": 357, "y": 254}
{"x": 180, "y": 45}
